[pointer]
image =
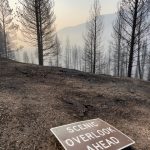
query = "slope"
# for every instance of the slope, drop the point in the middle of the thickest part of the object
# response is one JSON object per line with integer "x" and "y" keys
{"x": 34, "y": 99}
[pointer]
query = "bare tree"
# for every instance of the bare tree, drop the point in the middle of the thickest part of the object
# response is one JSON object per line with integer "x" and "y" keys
{"x": 109, "y": 60}
{"x": 1, "y": 41}
{"x": 5, "y": 21}
{"x": 25, "y": 57}
{"x": 75, "y": 57}
{"x": 148, "y": 67}
{"x": 143, "y": 59}
{"x": 135, "y": 12}
{"x": 101, "y": 62}
{"x": 88, "y": 50}
{"x": 94, "y": 36}
{"x": 84, "y": 59}
{"x": 141, "y": 46}
{"x": 37, "y": 19}
{"x": 118, "y": 43}
{"x": 68, "y": 54}
{"x": 57, "y": 50}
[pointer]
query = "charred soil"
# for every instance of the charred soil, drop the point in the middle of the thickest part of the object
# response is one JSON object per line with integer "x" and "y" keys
{"x": 34, "y": 99}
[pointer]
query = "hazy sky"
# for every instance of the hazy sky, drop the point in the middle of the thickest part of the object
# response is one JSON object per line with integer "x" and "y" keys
{"x": 73, "y": 12}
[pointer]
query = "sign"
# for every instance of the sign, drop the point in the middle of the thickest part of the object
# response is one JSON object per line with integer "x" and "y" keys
{"x": 93, "y": 134}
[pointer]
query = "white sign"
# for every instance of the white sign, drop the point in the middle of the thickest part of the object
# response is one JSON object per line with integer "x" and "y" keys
{"x": 93, "y": 134}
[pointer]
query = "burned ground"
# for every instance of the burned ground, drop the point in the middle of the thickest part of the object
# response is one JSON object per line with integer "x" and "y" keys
{"x": 34, "y": 99}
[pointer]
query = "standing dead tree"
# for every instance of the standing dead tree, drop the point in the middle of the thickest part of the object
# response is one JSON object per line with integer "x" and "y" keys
{"x": 37, "y": 19}
{"x": 6, "y": 23}
{"x": 141, "y": 59}
{"x": 148, "y": 67}
{"x": 25, "y": 57}
{"x": 118, "y": 45}
{"x": 109, "y": 61}
{"x": 75, "y": 57}
{"x": 57, "y": 50}
{"x": 135, "y": 12}
{"x": 88, "y": 50}
{"x": 93, "y": 36}
{"x": 68, "y": 54}
{"x": 84, "y": 59}
{"x": 1, "y": 41}
{"x": 142, "y": 45}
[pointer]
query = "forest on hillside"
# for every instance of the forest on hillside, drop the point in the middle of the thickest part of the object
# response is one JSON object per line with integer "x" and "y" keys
{"x": 128, "y": 54}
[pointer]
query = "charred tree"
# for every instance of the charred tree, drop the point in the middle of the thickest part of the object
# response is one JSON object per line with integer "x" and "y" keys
{"x": 5, "y": 21}
{"x": 135, "y": 12}
{"x": 57, "y": 50}
{"x": 37, "y": 19}
{"x": 93, "y": 36}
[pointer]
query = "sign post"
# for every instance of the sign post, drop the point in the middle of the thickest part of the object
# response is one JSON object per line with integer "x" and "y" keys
{"x": 93, "y": 134}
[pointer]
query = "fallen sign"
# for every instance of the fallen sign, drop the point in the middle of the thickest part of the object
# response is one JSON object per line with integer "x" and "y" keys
{"x": 93, "y": 134}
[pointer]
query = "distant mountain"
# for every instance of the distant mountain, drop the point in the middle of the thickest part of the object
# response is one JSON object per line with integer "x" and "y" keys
{"x": 75, "y": 33}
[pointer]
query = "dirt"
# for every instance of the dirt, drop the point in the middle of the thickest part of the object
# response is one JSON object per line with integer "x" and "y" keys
{"x": 34, "y": 99}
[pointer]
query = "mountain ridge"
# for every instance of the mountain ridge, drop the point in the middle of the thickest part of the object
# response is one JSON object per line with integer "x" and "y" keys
{"x": 75, "y": 33}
